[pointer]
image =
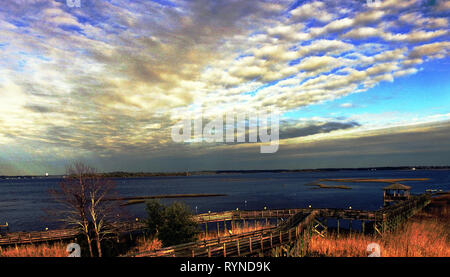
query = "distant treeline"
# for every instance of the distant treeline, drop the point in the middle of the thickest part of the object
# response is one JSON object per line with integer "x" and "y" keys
{"x": 122, "y": 174}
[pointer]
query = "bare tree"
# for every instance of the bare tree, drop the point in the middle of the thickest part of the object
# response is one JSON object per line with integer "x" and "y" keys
{"x": 82, "y": 194}
{"x": 103, "y": 209}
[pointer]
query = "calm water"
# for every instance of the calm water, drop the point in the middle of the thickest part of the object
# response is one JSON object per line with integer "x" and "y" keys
{"x": 23, "y": 201}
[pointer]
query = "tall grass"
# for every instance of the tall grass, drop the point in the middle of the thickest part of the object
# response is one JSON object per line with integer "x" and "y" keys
{"x": 239, "y": 228}
{"x": 35, "y": 250}
{"x": 416, "y": 239}
{"x": 427, "y": 234}
{"x": 148, "y": 244}
{"x": 145, "y": 244}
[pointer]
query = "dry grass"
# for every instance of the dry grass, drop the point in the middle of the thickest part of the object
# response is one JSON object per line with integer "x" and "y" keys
{"x": 417, "y": 239}
{"x": 323, "y": 186}
{"x": 425, "y": 235}
{"x": 31, "y": 250}
{"x": 142, "y": 244}
{"x": 145, "y": 244}
{"x": 238, "y": 229}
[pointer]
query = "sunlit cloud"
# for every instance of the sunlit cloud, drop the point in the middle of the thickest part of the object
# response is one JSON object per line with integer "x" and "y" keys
{"x": 113, "y": 77}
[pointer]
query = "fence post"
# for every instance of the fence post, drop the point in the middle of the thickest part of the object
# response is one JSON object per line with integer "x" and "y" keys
{"x": 238, "y": 248}
{"x": 262, "y": 244}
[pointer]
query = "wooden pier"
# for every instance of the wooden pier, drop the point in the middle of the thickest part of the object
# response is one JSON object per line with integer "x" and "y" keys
{"x": 35, "y": 237}
{"x": 16, "y": 238}
{"x": 291, "y": 224}
{"x": 300, "y": 224}
{"x": 245, "y": 244}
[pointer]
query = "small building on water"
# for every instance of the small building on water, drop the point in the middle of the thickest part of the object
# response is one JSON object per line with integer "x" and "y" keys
{"x": 395, "y": 192}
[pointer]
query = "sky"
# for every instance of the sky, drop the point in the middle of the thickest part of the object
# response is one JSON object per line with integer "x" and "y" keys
{"x": 355, "y": 85}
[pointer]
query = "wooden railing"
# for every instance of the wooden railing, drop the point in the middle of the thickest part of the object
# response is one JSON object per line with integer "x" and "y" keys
{"x": 31, "y": 237}
{"x": 383, "y": 220}
{"x": 52, "y": 235}
{"x": 60, "y": 234}
{"x": 250, "y": 243}
{"x": 303, "y": 220}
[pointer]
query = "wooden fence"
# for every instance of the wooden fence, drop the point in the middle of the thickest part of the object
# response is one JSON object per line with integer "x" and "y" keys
{"x": 245, "y": 244}
{"x": 60, "y": 234}
{"x": 382, "y": 220}
{"x": 299, "y": 223}
{"x": 12, "y": 238}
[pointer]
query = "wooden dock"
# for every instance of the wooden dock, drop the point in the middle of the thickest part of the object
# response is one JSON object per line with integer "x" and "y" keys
{"x": 300, "y": 223}
{"x": 245, "y": 244}
{"x": 16, "y": 238}
{"x": 290, "y": 225}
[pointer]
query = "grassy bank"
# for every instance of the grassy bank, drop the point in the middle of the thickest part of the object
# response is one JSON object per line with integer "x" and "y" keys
{"x": 143, "y": 199}
{"x": 427, "y": 234}
{"x": 323, "y": 186}
{"x": 147, "y": 244}
{"x": 35, "y": 250}
{"x": 357, "y": 180}
{"x": 142, "y": 243}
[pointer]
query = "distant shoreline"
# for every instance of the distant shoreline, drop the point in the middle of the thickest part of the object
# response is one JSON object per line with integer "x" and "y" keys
{"x": 123, "y": 174}
{"x": 143, "y": 199}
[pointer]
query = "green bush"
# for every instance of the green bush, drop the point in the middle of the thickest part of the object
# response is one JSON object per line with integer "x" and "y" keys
{"x": 155, "y": 217}
{"x": 172, "y": 224}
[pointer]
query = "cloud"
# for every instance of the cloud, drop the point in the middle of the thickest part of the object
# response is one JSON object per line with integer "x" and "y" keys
{"x": 346, "y": 105}
{"x": 312, "y": 129}
{"x": 113, "y": 77}
{"x": 434, "y": 50}
{"x": 38, "y": 108}
{"x": 312, "y": 10}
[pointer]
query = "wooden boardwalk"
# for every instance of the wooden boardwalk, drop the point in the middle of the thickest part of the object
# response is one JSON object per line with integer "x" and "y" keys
{"x": 34, "y": 237}
{"x": 382, "y": 220}
{"x": 245, "y": 244}
{"x": 300, "y": 223}
{"x": 16, "y": 238}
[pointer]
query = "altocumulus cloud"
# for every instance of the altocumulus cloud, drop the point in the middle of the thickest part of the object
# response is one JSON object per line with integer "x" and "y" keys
{"x": 89, "y": 81}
